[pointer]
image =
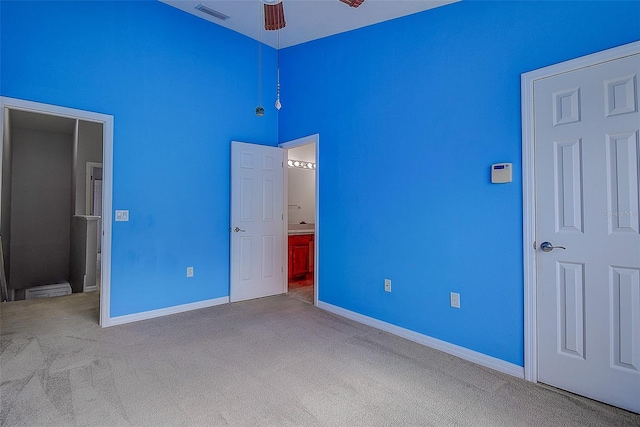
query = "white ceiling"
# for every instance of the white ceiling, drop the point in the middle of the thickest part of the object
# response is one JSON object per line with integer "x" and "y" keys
{"x": 44, "y": 122}
{"x": 306, "y": 19}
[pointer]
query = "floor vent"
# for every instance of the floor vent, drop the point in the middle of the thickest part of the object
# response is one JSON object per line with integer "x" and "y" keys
{"x": 46, "y": 291}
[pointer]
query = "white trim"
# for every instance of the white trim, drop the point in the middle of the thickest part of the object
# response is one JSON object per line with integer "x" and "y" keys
{"x": 528, "y": 234}
{"x": 528, "y": 189}
{"x": 455, "y": 350}
{"x": 301, "y": 141}
{"x": 315, "y": 138}
{"x": 152, "y": 314}
{"x": 107, "y": 180}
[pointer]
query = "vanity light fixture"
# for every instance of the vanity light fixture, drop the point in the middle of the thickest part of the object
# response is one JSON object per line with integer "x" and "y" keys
{"x": 300, "y": 164}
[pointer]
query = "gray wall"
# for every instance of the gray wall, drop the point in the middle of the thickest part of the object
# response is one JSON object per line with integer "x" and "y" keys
{"x": 89, "y": 150}
{"x": 302, "y": 186}
{"x": 5, "y": 215}
{"x": 41, "y": 207}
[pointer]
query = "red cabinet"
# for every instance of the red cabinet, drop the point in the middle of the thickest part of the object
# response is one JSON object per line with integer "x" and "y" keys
{"x": 300, "y": 256}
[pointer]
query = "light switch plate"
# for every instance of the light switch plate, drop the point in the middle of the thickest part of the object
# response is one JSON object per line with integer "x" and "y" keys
{"x": 122, "y": 215}
{"x": 455, "y": 299}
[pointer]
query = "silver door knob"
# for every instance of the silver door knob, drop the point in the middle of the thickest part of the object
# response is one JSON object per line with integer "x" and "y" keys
{"x": 548, "y": 247}
{"x": 238, "y": 229}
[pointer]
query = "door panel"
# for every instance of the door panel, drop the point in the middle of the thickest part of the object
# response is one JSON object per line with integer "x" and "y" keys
{"x": 622, "y": 166}
{"x": 300, "y": 260}
{"x": 568, "y": 171}
{"x": 586, "y": 178}
{"x": 571, "y": 306}
{"x": 625, "y": 287}
{"x": 257, "y": 243}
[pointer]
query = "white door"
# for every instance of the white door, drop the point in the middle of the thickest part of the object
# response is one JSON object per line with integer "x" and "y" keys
{"x": 586, "y": 179}
{"x": 257, "y": 234}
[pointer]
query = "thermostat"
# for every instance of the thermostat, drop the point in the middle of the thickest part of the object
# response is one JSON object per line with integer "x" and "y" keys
{"x": 501, "y": 173}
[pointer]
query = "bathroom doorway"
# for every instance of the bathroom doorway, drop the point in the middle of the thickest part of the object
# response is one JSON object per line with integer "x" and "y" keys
{"x": 301, "y": 216}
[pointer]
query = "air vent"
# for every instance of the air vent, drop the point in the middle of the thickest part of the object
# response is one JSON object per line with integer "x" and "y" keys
{"x": 214, "y": 13}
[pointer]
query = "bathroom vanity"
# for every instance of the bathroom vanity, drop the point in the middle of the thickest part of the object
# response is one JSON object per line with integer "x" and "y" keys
{"x": 301, "y": 251}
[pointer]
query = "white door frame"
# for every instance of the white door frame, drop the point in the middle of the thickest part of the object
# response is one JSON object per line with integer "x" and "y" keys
{"x": 292, "y": 144}
{"x": 528, "y": 189}
{"x": 107, "y": 159}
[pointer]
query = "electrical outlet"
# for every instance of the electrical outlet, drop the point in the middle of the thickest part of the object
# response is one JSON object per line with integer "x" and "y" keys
{"x": 387, "y": 285}
{"x": 189, "y": 271}
{"x": 455, "y": 299}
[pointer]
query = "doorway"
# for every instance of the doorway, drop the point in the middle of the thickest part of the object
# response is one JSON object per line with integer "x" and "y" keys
{"x": 301, "y": 187}
{"x": 582, "y": 242}
{"x": 39, "y": 124}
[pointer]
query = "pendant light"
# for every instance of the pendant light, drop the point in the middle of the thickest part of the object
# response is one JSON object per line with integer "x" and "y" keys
{"x": 273, "y": 15}
{"x": 260, "y": 109}
{"x": 278, "y": 104}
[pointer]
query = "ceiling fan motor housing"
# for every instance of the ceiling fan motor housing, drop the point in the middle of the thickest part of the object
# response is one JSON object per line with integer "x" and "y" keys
{"x": 274, "y": 13}
{"x": 274, "y": 16}
{"x": 353, "y": 3}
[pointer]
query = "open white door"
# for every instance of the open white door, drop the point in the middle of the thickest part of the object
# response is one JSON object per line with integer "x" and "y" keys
{"x": 257, "y": 221}
{"x": 587, "y": 231}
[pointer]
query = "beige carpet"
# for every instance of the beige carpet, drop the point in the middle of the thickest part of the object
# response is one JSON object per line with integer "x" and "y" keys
{"x": 274, "y": 361}
{"x": 302, "y": 293}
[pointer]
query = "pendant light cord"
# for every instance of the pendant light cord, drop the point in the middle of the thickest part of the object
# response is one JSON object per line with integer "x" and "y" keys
{"x": 278, "y": 103}
{"x": 261, "y": 17}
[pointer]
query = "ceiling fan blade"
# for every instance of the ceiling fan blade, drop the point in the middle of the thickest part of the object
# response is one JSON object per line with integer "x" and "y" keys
{"x": 353, "y": 3}
{"x": 274, "y": 16}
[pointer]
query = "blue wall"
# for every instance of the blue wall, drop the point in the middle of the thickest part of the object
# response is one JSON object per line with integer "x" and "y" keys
{"x": 411, "y": 114}
{"x": 180, "y": 89}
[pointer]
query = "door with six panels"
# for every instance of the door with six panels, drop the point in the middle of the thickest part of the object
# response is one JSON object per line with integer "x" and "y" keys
{"x": 587, "y": 231}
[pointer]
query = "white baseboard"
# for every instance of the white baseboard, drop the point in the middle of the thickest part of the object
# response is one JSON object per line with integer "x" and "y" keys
{"x": 120, "y": 320}
{"x": 455, "y": 350}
